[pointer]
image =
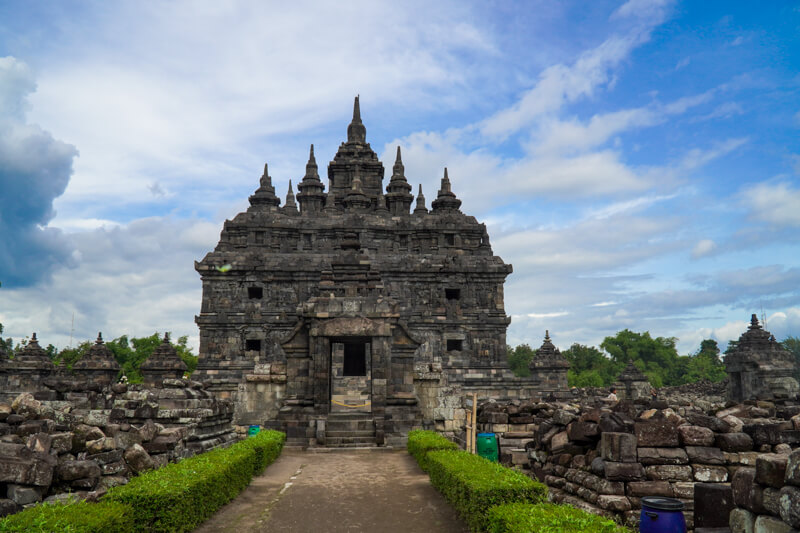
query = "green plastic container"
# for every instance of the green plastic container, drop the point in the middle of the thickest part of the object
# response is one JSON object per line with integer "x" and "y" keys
{"x": 253, "y": 430}
{"x": 487, "y": 446}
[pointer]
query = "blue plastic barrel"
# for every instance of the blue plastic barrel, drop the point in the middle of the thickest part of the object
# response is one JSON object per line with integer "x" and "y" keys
{"x": 661, "y": 515}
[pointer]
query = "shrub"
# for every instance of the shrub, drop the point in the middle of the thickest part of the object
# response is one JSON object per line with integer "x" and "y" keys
{"x": 80, "y": 517}
{"x": 473, "y": 484}
{"x": 180, "y": 496}
{"x": 421, "y": 442}
{"x": 547, "y": 518}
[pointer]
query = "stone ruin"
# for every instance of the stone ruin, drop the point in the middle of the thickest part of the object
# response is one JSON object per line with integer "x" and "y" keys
{"x": 759, "y": 367}
{"x": 74, "y": 434}
{"x": 734, "y": 467}
{"x": 632, "y": 384}
{"x": 351, "y": 318}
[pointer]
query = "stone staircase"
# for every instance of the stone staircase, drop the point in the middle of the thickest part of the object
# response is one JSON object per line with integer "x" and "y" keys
{"x": 350, "y": 430}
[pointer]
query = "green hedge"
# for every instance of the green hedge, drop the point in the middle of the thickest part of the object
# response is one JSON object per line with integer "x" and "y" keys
{"x": 421, "y": 442}
{"x": 177, "y": 497}
{"x": 180, "y": 496}
{"x": 79, "y": 517}
{"x": 547, "y": 518}
{"x": 473, "y": 485}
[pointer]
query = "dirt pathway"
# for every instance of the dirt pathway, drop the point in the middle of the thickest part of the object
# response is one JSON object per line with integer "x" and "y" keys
{"x": 354, "y": 491}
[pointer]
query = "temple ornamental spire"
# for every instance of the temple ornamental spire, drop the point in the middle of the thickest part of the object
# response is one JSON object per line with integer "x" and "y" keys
{"x": 356, "y": 131}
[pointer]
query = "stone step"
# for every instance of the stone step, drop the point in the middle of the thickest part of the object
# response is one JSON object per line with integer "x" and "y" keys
{"x": 358, "y": 433}
{"x": 349, "y": 441}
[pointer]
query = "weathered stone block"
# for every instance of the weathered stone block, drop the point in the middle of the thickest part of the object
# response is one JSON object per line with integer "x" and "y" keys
{"x": 669, "y": 472}
{"x": 713, "y": 503}
{"x": 793, "y": 468}
{"x": 72, "y": 470}
{"x": 662, "y": 456}
{"x": 581, "y": 431}
{"x": 617, "y": 504}
{"x": 710, "y": 473}
{"x": 771, "y": 500}
{"x": 771, "y": 469}
{"x": 705, "y": 455}
{"x": 618, "y": 447}
{"x": 746, "y": 493}
{"x": 696, "y": 436}
{"x": 789, "y": 505}
{"x": 27, "y": 471}
{"x": 656, "y": 433}
{"x": 624, "y": 471}
{"x": 650, "y": 488}
{"x": 734, "y": 442}
{"x": 24, "y": 495}
{"x": 770, "y": 524}
{"x": 741, "y": 521}
{"x": 138, "y": 459}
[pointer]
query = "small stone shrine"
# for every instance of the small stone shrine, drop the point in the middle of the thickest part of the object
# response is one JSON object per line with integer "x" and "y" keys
{"x": 351, "y": 319}
{"x": 548, "y": 367}
{"x": 98, "y": 365}
{"x": 25, "y": 372}
{"x": 759, "y": 367}
{"x": 164, "y": 363}
{"x": 632, "y": 384}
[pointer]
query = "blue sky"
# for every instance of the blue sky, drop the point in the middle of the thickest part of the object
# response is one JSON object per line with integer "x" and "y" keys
{"x": 637, "y": 162}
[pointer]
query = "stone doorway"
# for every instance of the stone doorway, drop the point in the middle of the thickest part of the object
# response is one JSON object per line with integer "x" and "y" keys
{"x": 351, "y": 375}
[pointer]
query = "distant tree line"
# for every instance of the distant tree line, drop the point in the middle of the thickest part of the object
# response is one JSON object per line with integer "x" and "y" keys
{"x": 130, "y": 353}
{"x": 656, "y": 357}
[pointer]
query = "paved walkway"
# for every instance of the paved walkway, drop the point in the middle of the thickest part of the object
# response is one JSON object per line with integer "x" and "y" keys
{"x": 341, "y": 491}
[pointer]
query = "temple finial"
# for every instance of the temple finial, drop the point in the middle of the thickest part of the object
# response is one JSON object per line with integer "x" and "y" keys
{"x": 99, "y": 338}
{"x": 398, "y": 159}
{"x": 311, "y": 158}
{"x": 446, "y": 201}
{"x": 547, "y": 331}
{"x": 356, "y": 131}
{"x": 356, "y": 111}
{"x": 420, "y": 208}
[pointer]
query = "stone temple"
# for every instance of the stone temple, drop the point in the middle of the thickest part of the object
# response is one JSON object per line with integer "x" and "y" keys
{"x": 352, "y": 315}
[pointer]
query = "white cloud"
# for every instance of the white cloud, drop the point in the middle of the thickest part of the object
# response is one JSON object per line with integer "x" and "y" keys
{"x": 774, "y": 203}
{"x": 128, "y": 280}
{"x": 703, "y": 248}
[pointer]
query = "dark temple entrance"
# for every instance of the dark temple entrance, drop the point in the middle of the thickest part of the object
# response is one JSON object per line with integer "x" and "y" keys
{"x": 351, "y": 383}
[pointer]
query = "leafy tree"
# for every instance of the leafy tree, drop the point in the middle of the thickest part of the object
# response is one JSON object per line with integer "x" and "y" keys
{"x": 657, "y": 358}
{"x": 589, "y": 367}
{"x": 705, "y": 364}
{"x": 518, "y": 360}
{"x": 131, "y": 353}
{"x": 792, "y": 344}
{"x": 69, "y": 356}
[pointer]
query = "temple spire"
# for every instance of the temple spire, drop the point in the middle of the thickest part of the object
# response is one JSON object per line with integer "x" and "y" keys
{"x": 445, "y": 201}
{"x": 290, "y": 206}
{"x": 398, "y": 197}
{"x": 265, "y": 194}
{"x": 356, "y": 132}
{"x": 420, "y": 208}
{"x": 311, "y": 195}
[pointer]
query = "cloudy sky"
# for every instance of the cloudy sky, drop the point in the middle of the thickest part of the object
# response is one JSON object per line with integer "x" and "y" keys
{"x": 637, "y": 162}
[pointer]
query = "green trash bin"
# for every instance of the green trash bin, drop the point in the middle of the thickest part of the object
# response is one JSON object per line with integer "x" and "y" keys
{"x": 253, "y": 430}
{"x": 487, "y": 446}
